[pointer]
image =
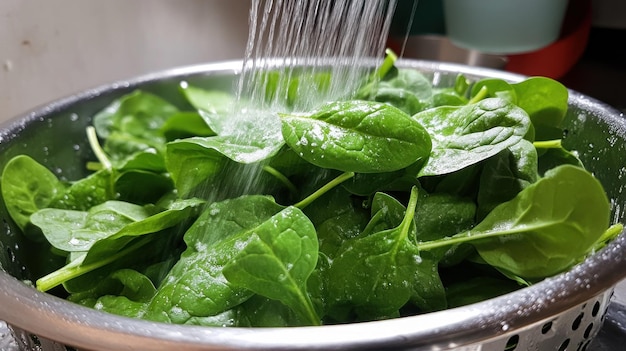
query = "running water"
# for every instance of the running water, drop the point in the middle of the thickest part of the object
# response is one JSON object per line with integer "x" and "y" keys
{"x": 328, "y": 36}
{"x": 300, "y": 54}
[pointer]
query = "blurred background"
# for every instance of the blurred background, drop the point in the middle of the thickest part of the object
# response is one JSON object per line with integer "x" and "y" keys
{"x": 50, "y": 49}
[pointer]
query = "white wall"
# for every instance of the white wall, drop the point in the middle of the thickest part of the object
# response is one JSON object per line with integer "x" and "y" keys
{"x": 52, "y": 48}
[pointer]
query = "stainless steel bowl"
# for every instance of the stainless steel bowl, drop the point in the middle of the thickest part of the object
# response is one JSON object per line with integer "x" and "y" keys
{"x": 560, "y": 313}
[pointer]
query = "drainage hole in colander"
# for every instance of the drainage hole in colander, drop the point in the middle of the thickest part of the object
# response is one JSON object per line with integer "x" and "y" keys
{"x": 511, "y": 344}
{"x": 588, "y": 330}
{"x": 585, "y": 346}
{"x": 546, "y": 328}
{"x": 577, "y": 321}
{"x": 596, "y": 309}
{"x": 11, "y": 255}
{"x": 606, "y": 310}
{"x": 564, "y": 345}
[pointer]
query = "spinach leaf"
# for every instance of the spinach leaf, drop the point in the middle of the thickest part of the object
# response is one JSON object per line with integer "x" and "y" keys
{"x": 463, "y": 136}
{"x": 196, "y": 286}
{"x": 77, "y": 276}
{"x": 386, "y": 213}
{"x": 259, "y": 311}
{"x": 191, "y": 165}
{"x": 358, "y": 136}
{"x": 125, "y": 292}
{"x": 545, "y": 101}
{"x": 88, "y": 192}
{"x": 132, "y": 124}
{"x": 238, "y": 149}
{"x": 144, "y": 159}
{"x": 438, "y": 215}
{"x": 569, "y": 211}
{"x": 337, "y": 217}
{"x": 70, "y": 230}
{"x": 545, "y": 229}
{"x": 406, "y": 89}
{"x": 366, "y": 184}
{"x": 505, "y": 175}
{"x": 552, "y": 154}
{"x": 185, "y": 124}
{"x": 138, "y": 114}
{"x": 477, "y": 289}
{"x": 293, "y": 89}
{"x": 493, "y": 87}
{"x": 213, "y": 106}
{"x": 228, "y": 318}
{"x": 211, "y": 101}
{"x": 122, "y": 147}
{"x": 28, "y": 187}
{"x": 176, "y": 213}
{"x": 377, "y": 274}
{"x": 106, "y": 231}
{"x": 142, "y": 187}
{"x": 277, "y": 261}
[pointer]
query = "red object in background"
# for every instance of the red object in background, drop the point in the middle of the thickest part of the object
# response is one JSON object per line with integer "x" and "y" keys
{"x": 559, "y": 57}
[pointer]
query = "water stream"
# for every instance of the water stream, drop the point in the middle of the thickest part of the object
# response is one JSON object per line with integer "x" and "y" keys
{"x": 329, "y": 36}
{"x": 300, "y": 54}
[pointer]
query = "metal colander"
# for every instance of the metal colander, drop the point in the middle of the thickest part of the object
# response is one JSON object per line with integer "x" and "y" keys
{"x": 564, "y": 312}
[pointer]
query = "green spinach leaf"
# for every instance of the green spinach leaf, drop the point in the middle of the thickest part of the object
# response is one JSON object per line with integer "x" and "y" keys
{"x": 545, "y": 229}
{"x": 505, "y": 175}
{"x": 196, "y": 286}
{"x": 545, "y": 101}
{"x": 70, "y": 230}
{"x": 357, "y": 136}
{"x": 463, "y": 136}
{"x": 28, "y": 187}
{"x": 185, "y": 124}
{"x": 378, "y": 274}
{"x": 277, "y": 261}
{"x": 125, "y": 292}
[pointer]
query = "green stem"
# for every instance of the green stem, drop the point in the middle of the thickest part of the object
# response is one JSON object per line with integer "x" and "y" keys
{"x": 482, "y": 93}
{"x": 281, "y": 177}
{"x": 76, "y": 268}
{"x": 94, "y": 166}
{"x": 611, "y": 233}
{"x": 469, "y": 236}
{"x": 547, "y": 144}
{"x": 321, "y": 191}
{"x": 387, "y": 64}
{"x": 92, "y": 137}
{"x": 309, "y": 311}
{"x": 410, "y": 213}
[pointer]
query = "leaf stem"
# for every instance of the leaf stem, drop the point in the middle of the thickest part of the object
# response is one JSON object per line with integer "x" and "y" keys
{"x": 611, "y": 233}
{"x": 410, "y": 213}
{"x": 310, "y": 313}
{"x": 281, "y": 177}
{"x": 468, "y": 236}
{"x": 321, "y": 191}
{"x": 548, "y": 144}
{"x": 92, "y": 137}
{"x": 76, "y": 268}
{"x": 387, "y": 64}
{"x": 94, "y": 166}
{"x": 482, "y": 93}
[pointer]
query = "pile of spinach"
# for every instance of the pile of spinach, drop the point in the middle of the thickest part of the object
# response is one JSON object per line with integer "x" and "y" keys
{"x": 400, "y": 199}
